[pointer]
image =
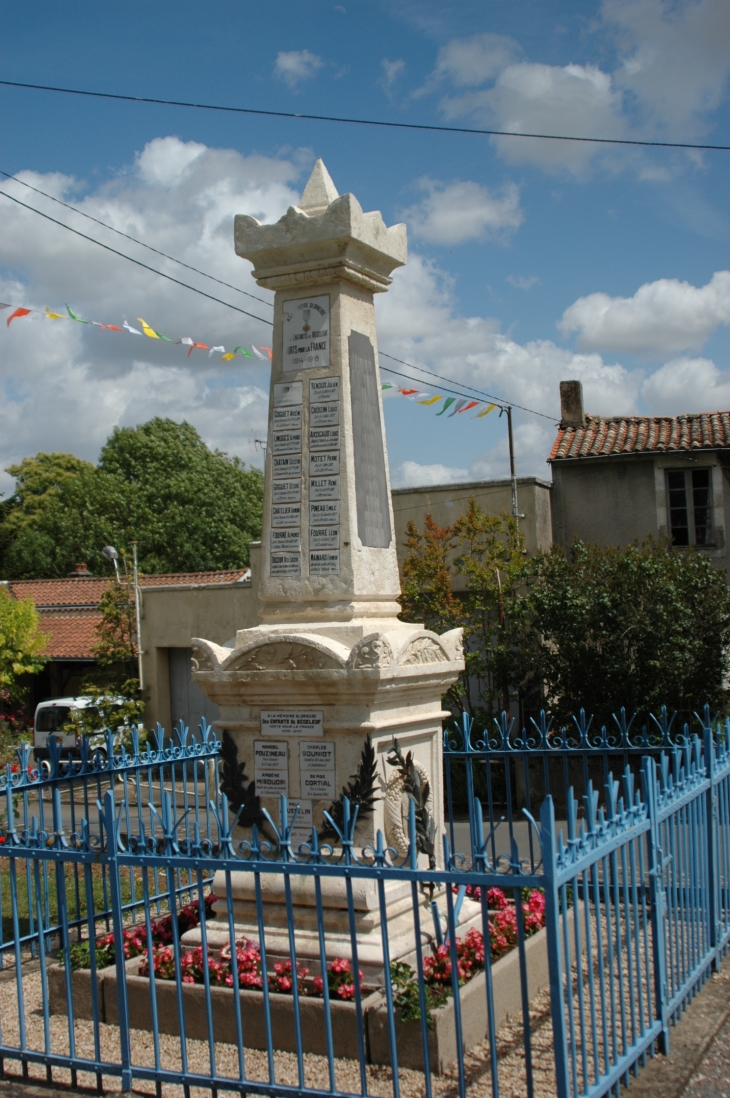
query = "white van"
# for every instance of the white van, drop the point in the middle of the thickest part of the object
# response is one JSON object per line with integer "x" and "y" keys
{"x": 51, "y": 716}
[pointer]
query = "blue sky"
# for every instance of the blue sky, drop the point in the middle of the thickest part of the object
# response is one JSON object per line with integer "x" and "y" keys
{"x": 529, "y": 261}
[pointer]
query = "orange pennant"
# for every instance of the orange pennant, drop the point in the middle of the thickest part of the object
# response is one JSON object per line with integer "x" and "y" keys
{"x": 18, "y": 312}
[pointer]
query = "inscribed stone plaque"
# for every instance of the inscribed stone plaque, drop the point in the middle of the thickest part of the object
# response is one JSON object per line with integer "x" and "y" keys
{"x": 317, "y": 755}
{"x": 287, "y": 419}
{"x": 324, "y": 488}
{"x": 326, "y": 563}
{"x": 324, "y": 415}
{"x": 324, "y": 537}
{"x": 298, "y": 722}
{"x": 323, "y": 465}
{"x": 306, "y": 333}
{"x": 324, "y": 438}
{"x": 318, "y": 784}
{"x": 290, "y": 392}
{"x": 286, "y": 466}
{"x": 320, "y": 514}
{"x": 371, "y": 485}
{"x": 300, "y": 812}
{"x": 286, "y": 491}
{"x": 323, "y": 389}
{"x": 286, "y": 442}
{"x": 286, "y": 514}
{"x": 285, "y": 541}
{"x": 286, "y": 564}
{"x": 270, "y": 755}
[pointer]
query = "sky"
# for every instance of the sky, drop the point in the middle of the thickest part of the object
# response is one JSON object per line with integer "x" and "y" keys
{"x": 530, "y": 261}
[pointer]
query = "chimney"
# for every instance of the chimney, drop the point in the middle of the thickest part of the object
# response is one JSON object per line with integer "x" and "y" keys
{"x": 81, "y": 571}
{"x": 571, "y": 404}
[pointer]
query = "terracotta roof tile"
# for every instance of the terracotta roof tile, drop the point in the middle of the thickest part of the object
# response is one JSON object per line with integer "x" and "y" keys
{"x": 72, "y": 636}
{"x": 88, "y": 592}
{"x": 606, "y": 436}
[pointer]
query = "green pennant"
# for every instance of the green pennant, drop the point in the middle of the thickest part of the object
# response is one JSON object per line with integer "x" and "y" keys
{"x": 243, "y": 351}
{"x": 166, "y": 338}
{"x": 73, "y": 316}
{"x": 447, "y": 404}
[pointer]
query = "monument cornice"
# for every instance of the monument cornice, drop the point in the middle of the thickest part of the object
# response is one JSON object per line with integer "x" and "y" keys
{"x": 296, "y": 275}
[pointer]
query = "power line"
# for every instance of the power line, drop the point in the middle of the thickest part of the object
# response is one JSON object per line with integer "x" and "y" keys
{"x": 480, "y": 392}
{"x": 139, "y": 263}
{"x": 134, "y": 240}
{"x": 366, "y": 121}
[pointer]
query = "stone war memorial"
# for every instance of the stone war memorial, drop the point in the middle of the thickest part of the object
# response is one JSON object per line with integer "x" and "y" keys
{"x": 312, "y": 699}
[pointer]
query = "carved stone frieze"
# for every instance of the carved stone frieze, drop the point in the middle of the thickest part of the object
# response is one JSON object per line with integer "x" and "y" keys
{"x": 423, "y": 650}
{"x": 284, "y": 656}
{"x": 372, "y": 651}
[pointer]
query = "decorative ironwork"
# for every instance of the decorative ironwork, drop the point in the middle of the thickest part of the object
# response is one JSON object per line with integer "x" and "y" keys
{"x": 241, "y": 792}
{"x": 361, "y": 793}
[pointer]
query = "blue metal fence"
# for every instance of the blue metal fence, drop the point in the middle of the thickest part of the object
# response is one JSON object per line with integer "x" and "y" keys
{"x": 637, "y": 910}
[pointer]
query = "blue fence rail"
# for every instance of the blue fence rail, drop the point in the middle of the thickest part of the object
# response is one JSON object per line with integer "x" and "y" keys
{"x": 634, "y": 882}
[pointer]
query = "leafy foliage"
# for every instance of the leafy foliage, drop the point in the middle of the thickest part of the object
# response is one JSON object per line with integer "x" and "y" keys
{"x": 361, "y": 790}
{"x": 21, "y": 644}
{"x": 189, "y": 508}
{"x": 234, "y": 783}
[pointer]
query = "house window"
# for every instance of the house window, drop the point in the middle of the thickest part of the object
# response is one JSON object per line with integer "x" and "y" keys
{"x": 689, "y": 493}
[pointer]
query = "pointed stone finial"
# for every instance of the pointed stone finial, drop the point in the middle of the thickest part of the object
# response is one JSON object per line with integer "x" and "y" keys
{"x": 319, "y": 191}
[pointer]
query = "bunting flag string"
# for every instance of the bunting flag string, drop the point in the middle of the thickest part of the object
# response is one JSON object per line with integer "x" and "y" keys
{"x": 457, "y": 405}
{"x": 264, "y": 353}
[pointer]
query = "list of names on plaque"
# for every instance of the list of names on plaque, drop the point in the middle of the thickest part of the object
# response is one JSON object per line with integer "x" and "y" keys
{"x": 324, "y": 488}
{"x": 286, "y": 491}
{"x": 286, "y": 485}
{"x": 289, "y": 466}
{"x": 299, "y": 812}
{"x": 286, "y": 514}
{"x": 324, "y": 513}
{"x": 271, "y": 768}
{"x": 317, "y": 770}
{"x": 324, "y": 478}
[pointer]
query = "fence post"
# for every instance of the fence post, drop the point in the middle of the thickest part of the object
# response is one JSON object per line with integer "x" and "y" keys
{"x": 118, "y": 925}
{"x": 555, "y": 960}
{"x": 713, "y": 876}
{"x": 658, "y": 902}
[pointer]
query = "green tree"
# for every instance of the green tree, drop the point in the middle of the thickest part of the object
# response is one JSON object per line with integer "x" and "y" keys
{"x": 187, "y": 507}
{"x": 21, "y": 644}
{"x": 469, "y": 575}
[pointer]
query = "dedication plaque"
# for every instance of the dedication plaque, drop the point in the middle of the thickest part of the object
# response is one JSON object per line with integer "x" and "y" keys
{"x": 286, "y": 564}
{"x": 324, "y": 415}
{"x": 324, "y": 465}
{"x": 299, "y": 812}
{"x": 286, "y": 466}
{"x": 286, "y": 491}
{"x": 286, "y": 442}
{"x": 371, "y": 482}
{"x": 324, "y": 389}
{"x": 326, "y": 563}
{"x": 290, "y": 392}
{"x": 324, "y": 537}
{"x": 295, "y": 722}
{"x": 288, "y": 419}
{"x": 271, "y": 768}
{"x": 306, "y": 333}
{"x": 317, "y": 769}
{"x": 324, "y": 488}
{"x": 286, "y": 514}
{"x": 285, "y": 541}
{"x": 324, "y": 438}
{"x": 322, "y": 514}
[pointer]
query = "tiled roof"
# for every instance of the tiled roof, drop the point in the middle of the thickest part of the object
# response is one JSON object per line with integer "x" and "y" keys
{"x": 82, "y": 591}
{"x": 72, "y": 636}
{"x": 603, "y": 437}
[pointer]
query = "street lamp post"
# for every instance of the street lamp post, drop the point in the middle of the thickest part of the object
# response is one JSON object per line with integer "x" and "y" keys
{"x": 110, "y": 553}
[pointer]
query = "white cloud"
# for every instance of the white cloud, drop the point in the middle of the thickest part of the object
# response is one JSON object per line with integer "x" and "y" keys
{"x": 391, "y": 71}
{"x": 412, "y": 475}
{"x": 294, "y": 66}
{"x": 452, "y": 213}
{"x": 468, "y": 62}
{"x": 579, "y": 100}
{"x": 522, "y": 283}
{"x": 64, "y": 386}
{"x": 687, "y": 385}
{"x": 665, "y": 316}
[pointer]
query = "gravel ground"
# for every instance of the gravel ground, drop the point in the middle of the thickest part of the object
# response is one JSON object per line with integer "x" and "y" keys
{"x": 712, "y": 1078}
{"x": 512, "y": 1076}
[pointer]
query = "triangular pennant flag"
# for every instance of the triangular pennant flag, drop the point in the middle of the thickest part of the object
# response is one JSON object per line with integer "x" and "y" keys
{"x": 242, "y": 351}
{"x": 4, "y": 306}
{"x": 229, "y": 356}
{"x": 459, "y": 405}
{"x": 72, "y": 314}
{"x": 387, "y": 386}
{"x": 54, "y": 316}
{"x": 269, "y": 352}
{"x": 257, "y": 352}
{"x": 149, "y": 332}
{"x": 18, "y": 312}
{"x": 407, "y": 392}
{"x": 134, "y": 331}
{"x": 203, "y": 347}
{"x": 214, "y": 349}
{"x": 471, "y": 404}
{"x": 447, "y": 404}
{"x": 487, "y": 410}
{"x": 187, "y": 340}
{"x": 108, "y": 327}
{"x": 431, "y": 400}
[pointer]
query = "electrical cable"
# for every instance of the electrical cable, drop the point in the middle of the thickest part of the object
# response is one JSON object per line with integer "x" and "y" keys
{"x": 480, "y": 392}
{"x": 134, "y": 240}
{"x": 366, "y": 121}
{"x": 139, "y": 262}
